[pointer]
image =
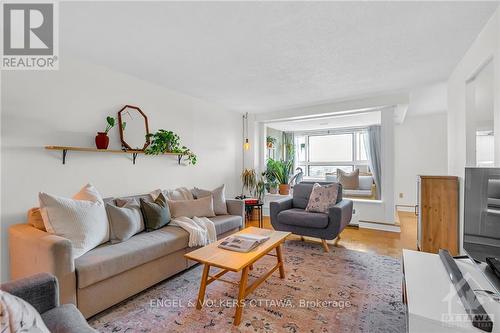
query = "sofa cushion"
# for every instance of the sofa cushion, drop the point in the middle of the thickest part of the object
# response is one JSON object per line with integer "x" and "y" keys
{"x": 225, "y": 223}
{"x": 365, "y": 183}
{"x": 358, "y": 193}
{"x": 322, "y": 198}
{"x": 66, "y": 319}
{"x": 156, "y": 214}
{"x": 203, "y": 207}
{"x": 301, "y": 218}
{"x": 82, "y": 219}
{"x": 218, "y": 195}
{"x": 111, "y": 259}
{"x": 349, "y": 180}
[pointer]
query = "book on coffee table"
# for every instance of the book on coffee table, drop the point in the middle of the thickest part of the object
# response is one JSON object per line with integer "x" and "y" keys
{"x": 242, "y": 242}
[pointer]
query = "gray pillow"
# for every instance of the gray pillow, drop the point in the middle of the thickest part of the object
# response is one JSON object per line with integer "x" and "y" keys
{"x": 156, "y": 214}
{"x": 202, "y": 207}
{"x": 220, "y": 207}
{"x": 125, "y": 219}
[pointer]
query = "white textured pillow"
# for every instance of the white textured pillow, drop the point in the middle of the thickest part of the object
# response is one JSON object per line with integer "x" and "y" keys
{"x": 180, "y": 193}
{"x": 203, "y": 207}
{"x": 220, "y": 207}
{"x": 17, "y": 315}
{"x": 82, "y": 219}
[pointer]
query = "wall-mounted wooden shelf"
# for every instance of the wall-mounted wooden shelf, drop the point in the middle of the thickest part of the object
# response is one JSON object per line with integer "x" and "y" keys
{"x": 134, "y": 153}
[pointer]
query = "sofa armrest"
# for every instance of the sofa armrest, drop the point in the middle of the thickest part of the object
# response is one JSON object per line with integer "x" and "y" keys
{"x": 275, "y": 207}
{"x": 34, "y": 251}
{"x": 40, "y": 290}
{"x": 236, "y": 207}
{"x": 340, "y": 214}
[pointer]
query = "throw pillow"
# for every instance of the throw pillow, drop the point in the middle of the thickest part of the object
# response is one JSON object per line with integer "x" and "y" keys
{"x": 322, "y": 198}
{"x": 82, "y": 219}
{"x": 349, "y": 180}
{"x": 125, "y": 219}
{"x": 180, "y": 193}
{"x": 17, "y": 315}
{"x": 35, "y": 218}
{"x": 156, "y": 214}
{"x": 202, "y": 207}
{"x": 220, "y": 207}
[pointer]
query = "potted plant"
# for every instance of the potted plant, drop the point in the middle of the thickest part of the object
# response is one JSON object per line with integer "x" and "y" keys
{"x": 102, "y": 139}
{"x": 249, "y": 181}
{"x": 270, "y": 142}
{"x": 281, "y": 171}
{"x": 260, "y": 187}
{"x": 272, "y": 183}
{"x": 168, "y": 142}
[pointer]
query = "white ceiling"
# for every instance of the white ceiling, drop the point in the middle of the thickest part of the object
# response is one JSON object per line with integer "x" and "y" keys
{"x": 264, "y": 56}
{"x": 332, "y": 122}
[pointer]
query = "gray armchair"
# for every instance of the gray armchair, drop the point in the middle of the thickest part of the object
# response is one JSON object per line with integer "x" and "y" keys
{"x": 290, "y": 215}
{"x": 42, "y": 292}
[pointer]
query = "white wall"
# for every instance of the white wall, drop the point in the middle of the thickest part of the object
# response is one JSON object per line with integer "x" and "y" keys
{"x": 68, "y": 107}
{"x": 484, "y": 49}
{"x": 420, "y": 149}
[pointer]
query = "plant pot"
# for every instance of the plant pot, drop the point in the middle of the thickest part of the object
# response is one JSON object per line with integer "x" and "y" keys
{"x": 102, "y": 140}
{"x": 284, "y": 189}
{"x": 270, "y": 145}
{"x": 273, "y": 190}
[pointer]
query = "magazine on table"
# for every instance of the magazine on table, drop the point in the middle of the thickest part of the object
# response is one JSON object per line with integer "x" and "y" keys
{"x": 242, "y": 242}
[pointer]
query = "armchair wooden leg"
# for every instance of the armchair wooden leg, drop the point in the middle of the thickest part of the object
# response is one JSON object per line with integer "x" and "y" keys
{"x": 337, "y": 239}
{"x": 302, "y": 238}
{"x": 325, "y": 245}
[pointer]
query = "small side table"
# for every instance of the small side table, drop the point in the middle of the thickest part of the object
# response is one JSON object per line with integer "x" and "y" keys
{"x": 250, "y": 206}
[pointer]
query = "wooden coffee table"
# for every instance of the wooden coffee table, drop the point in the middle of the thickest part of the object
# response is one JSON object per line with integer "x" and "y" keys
{"x": 227, "y": 260}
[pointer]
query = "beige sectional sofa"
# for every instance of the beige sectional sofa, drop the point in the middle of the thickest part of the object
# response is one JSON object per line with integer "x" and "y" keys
{"x": 109, "y": 273}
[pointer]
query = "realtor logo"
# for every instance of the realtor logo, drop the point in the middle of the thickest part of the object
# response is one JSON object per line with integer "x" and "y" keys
{"x": 29, "y": 36}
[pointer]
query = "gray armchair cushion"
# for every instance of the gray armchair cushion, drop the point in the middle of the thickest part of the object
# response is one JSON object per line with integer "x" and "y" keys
{"x": 301, "y": 218}
{"x": 40, "y": 290}
{"x": 66, "y": 319}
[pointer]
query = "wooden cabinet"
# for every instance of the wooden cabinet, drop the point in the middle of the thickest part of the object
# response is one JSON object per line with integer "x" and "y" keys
{"x": 437, "y": 208}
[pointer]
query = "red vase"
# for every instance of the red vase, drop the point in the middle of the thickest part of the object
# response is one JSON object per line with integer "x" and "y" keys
{"x": 102, "y": 140}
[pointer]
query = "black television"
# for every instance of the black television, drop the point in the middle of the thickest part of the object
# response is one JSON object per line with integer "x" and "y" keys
{"x": 481, "y": 232}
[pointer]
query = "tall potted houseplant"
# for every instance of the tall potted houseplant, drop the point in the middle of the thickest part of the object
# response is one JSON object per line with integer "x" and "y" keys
{"x": 282, "y": 170}
{"x": 272, "y": 183}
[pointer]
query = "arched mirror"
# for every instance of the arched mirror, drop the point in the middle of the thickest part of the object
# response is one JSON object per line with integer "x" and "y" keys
{"x": 133, "y": 128}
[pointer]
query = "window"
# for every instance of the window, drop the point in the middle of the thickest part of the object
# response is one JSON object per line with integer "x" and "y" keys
{"x": 322, "y": 153}
{"x": 485, "y": 149}
{"x": 326, "y": 148}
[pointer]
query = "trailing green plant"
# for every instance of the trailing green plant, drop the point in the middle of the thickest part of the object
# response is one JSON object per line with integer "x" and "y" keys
{"x": 249, "y": 180}
{"x": 164, "y": 141}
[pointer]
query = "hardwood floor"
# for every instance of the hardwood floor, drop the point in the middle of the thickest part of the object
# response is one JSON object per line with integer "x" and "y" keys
{"x": 368, "y": 240}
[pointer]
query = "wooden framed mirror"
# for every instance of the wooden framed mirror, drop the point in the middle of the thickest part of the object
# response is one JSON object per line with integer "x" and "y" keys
{"x": 134, "y": 127}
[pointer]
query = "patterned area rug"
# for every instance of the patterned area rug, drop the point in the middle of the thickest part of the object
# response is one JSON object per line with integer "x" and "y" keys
{"x": 339, "y": 291}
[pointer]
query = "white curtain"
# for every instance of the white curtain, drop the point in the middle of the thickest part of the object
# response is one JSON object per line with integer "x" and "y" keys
{"x": 373, "y": 146}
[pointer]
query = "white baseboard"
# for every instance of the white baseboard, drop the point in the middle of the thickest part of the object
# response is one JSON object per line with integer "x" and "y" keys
{"x": 379, "y": 226}
{"x": 405, "y": 209}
